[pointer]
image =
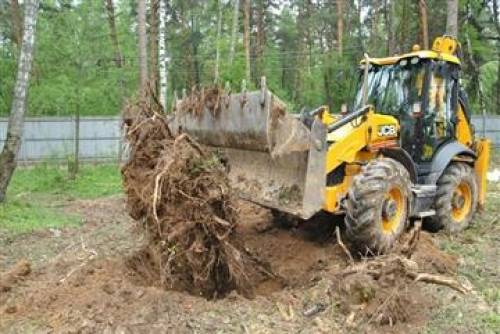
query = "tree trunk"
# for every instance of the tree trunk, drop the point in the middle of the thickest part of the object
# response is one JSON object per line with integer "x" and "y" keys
{"x": 74, "y": 166}
{"x": 17, "y": 30}
{"x": 452, "y": 18}
{"x": 309, "y": 38}
{"x": 260, "y": 39}
{"x": 113, "y": 34}
{"x": 497, "y": 94}
{"x": 16, "y": 120}
{"x": 217, "y": 47}
{"x": 236, "y": 14}
{"x": 476, "y": 73}
{"x": 496, "y": 20}
{"x": 298, "y": 75}
{"x": 340, "y": 26}
{"x": 388, "y": 18}
{"x": 162, "y": 53}
{"x": 403, "y": 27}
{"x": 153, "y": 42}
{"x": 424, "y": 27}
{"x": 194, "y": 43}
{"x": 246, "y": 38}
{"x": 359, "y": 29}
{"x": 142, "y": 43}
{"x": 374, "y": 28}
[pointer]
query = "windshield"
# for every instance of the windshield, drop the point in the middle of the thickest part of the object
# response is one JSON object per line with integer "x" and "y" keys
{"x": 392, "y": 89}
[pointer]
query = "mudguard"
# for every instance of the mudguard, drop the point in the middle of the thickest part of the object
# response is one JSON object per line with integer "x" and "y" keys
{"x": 443, "y": 158}
{"x": 404, "y": 158}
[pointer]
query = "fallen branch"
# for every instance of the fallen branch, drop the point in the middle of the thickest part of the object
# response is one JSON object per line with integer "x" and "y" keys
{"x": 413, "y": 236}
{"x": 438, "y": 279}
{"x": 376, "y": 267}
{"x": 91, "y": 254}
{"x": 342, "y": 245}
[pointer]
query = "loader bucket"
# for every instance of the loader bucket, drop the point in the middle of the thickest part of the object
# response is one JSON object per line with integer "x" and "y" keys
{"x": 274, "y": 159}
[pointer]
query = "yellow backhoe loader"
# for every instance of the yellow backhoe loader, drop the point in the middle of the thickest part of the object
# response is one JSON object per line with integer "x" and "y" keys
{"x": 406, "y": 150}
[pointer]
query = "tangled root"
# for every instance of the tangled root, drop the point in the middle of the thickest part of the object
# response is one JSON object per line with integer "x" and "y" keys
{"x": 198, "y": 100}
{"x": 180, "y": 193}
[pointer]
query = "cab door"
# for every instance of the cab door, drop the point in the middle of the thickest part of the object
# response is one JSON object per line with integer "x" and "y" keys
{"x": 440, "y": 104}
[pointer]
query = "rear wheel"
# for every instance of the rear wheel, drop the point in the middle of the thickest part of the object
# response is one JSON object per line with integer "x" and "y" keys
{"x": 456, "y": 198}
{"x": 378, "y": 205}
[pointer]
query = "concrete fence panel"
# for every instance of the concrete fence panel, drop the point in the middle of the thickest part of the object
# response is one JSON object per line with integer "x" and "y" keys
{"x": 100, "y": 137}
{"x": 54, "y": 138}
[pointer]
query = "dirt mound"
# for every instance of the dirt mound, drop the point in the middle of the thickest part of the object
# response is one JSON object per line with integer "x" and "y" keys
{"x": 181, "y": 193}
{"x": 431, "y": 259}
{"x": 378, "y": 291}
{"x": 316, "y": 288}
{"x": 383, "y": 291}
{"x": 14, "y": 274}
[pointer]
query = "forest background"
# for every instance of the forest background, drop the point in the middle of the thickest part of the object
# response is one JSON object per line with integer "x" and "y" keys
{"x": 87, "y": 61}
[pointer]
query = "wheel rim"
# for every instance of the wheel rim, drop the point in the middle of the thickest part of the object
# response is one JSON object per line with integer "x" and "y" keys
{"x": 461, "y": 201}
{"x": 392, "y": 210}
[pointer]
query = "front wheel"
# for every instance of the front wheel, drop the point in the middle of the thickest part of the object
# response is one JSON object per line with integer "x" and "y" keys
{"x": 378, "y": 206}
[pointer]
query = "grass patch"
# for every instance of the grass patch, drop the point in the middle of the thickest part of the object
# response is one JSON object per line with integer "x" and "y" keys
{"x": 23, "y": 216}
{"x": 91, "y": 181}
{"x": 34, "y": 191}
{"x": 477, "y": 247}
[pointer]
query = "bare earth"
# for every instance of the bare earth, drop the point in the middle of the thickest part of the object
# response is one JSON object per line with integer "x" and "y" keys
{"x": 77, "y": 280}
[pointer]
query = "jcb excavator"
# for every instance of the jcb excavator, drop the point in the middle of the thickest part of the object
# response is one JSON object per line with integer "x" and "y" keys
{"x": 407, "y": 149}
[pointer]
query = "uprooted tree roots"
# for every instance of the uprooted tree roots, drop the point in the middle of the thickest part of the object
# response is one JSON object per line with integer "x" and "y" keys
{"x": 198, "y": 100}
{"x": 382, "y": 290}
{"x": 181, "y": 194}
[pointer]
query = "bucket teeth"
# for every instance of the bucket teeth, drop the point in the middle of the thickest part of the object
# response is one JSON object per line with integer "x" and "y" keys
{"x": 263, "y": 91}
{"x": 175, "y": 100}
{"x": 227, "y": 94}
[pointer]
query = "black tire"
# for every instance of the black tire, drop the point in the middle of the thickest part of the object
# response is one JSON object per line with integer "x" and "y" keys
{"x": 372, "y": 227}
{"x": 453, "y": 212}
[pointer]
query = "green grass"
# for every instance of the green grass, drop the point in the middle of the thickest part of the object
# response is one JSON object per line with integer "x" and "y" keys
{"x": 477, "y": 248}
{"x": 90, "y": 182}
{"x": 22, "y": 216}
{"x": 35, "y": 191}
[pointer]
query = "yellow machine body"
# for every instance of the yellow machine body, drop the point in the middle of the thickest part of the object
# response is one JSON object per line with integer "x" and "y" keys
{"x": 352, "y": 144}
{"x": 443, "y": 48}
{"x": 482, "y": 149}
{"x": 279, "y": 161}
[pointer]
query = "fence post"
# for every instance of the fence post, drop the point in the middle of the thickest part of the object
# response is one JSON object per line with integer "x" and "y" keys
{"x": 77, "y": 137}
{"x": 73, "y": 165}
{"x": 484, "y": 122}
{"x": 120, "y": 142}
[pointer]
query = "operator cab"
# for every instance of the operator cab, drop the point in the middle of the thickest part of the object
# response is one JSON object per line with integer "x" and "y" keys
{"x": 421, "y": 90}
